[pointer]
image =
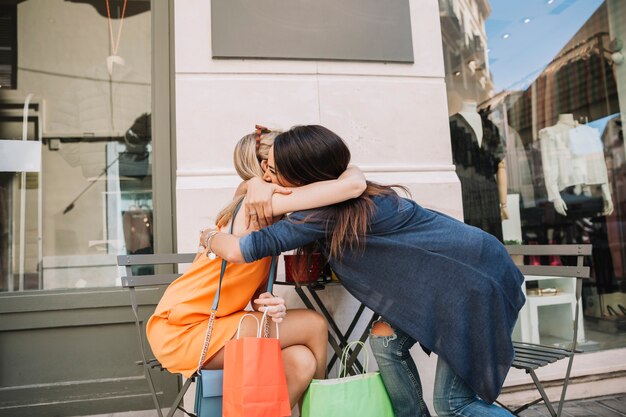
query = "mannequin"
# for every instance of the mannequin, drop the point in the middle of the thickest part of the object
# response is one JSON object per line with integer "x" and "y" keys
{"x": 478, "y": 154}
{"x": 572, "y": 156}
{"x": 470, "y": 113}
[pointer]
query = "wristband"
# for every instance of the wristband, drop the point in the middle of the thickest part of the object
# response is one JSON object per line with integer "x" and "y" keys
{"x": 207, "y": 244}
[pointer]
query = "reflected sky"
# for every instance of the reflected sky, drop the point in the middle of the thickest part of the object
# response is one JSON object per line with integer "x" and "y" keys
{"x": 523, "y": 36}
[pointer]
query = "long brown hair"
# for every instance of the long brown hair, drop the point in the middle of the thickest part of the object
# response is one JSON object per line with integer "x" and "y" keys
{"x": 307, "y": 154}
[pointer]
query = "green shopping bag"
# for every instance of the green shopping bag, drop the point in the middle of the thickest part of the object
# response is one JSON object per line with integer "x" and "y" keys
{"x": 348, "y": 396}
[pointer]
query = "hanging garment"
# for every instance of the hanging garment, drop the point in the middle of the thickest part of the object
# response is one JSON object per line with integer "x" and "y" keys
{"x": 476, "y": 166}
{"x": 587, "y": 156}
{"x": 556, "y": 160}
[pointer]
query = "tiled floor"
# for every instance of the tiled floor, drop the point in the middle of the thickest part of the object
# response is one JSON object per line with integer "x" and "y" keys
{"x": 611, "y": 406}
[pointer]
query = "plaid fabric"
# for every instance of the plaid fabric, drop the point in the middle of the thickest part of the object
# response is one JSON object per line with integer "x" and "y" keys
{"x": 575, "y": 86}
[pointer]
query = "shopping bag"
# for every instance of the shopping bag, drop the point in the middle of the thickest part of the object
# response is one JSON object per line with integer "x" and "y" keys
{"x": 254, "y": 376}
{"x": 209, "y": 393}
{"x": 361, "y": 395}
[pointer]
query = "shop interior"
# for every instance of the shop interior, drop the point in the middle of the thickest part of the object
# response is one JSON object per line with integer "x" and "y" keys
{"x": 76, "y": 82}
{"x": 535, "y": 95}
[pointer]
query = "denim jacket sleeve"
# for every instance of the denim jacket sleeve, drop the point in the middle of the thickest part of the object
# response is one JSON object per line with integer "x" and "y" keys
{"x": 294, "y": 231}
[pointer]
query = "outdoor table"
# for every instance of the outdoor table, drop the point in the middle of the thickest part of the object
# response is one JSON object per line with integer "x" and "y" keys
{"x": 342, "y": 339}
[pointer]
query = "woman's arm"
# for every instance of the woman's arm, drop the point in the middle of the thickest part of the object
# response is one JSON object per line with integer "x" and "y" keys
{"x": 224, "y": 245}
{"x": 262, "y": 199}
{"x": 350, "y": 184}
{"x": 273, "y": 240}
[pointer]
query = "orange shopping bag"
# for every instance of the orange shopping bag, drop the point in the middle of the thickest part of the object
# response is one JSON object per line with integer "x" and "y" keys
{"x": 254, "y": 376}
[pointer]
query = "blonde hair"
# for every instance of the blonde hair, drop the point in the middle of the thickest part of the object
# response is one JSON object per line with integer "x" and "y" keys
{"x": 247, "y": 159}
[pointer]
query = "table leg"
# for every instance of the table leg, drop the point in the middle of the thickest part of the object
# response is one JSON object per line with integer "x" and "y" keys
{"x": 343, "y": 338}
{"x": 357, "y": 315}
{"x": 352, "y": 359}
{"x": 333, "y": 343}
{"x": 331, "y": 338}
{"x": 353, "y": 362}
{"x": 339, "y": 340}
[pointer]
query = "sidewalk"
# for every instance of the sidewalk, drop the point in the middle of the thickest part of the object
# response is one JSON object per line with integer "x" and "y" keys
{"x": 609, "y": 406}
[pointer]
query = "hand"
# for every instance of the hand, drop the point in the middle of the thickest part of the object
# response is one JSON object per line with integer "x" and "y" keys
{"x": 608, "y": 207}
{"x": 258, "y": 207}
{"x": 504, "y": 213}
{"x": 560, "y": 206}
{"x": 608, "y": 200}
{"x": 275, "y": 306}
{"x": 204, "y": 233}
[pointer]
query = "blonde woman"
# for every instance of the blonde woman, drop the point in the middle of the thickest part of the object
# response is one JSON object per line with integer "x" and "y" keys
{"x": 177, "y": 328}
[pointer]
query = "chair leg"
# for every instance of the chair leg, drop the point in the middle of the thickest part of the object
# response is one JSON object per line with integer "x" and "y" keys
{"x": 176, "y": 405}
{"x": 505, "y": 407}
{"x": 144, "y": 360}
{"x": 525, "y": 406}
{"x": 546, "y": 400}
{"x": 146, "y": 371}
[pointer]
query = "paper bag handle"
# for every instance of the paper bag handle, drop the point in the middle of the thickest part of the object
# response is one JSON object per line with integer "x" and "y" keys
{"x": 346, "y": 354}
{"x": 259, "y": 325}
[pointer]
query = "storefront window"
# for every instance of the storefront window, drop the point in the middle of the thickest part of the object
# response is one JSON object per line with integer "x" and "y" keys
{"x": 82, "y": 76}
{"x": 536, "y": 96}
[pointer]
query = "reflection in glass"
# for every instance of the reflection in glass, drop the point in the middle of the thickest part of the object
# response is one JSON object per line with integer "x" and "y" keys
{"x": 88, "y": 64}
{"x": 550, "y": 78}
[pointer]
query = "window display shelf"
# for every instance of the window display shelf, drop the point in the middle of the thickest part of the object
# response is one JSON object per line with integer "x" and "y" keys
{"x": 550, "y": 315}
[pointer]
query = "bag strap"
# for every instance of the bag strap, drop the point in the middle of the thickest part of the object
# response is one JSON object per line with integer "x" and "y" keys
{"x": 216, "y": 299}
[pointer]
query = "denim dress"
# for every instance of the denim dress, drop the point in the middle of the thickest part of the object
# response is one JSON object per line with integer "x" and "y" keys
{"x": 450, "y": 286}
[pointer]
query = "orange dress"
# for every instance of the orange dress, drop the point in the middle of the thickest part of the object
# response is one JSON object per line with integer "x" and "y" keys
{"x": 178, "y": 326}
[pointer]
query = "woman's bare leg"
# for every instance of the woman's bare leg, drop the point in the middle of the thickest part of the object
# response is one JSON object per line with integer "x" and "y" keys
{"x": 299, "y": 327}
{"x": 299, "y": 370}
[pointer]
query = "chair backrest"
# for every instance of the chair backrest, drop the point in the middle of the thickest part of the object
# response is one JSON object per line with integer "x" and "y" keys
{"x": 578, "y": 271}
{"x": 133, "y": 281}
{"x": 532, "y": 356}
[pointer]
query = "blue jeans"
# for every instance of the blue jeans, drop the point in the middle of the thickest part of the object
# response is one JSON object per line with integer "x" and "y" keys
{"x": 399, "y": 373}
{"x": 452, "y": 396}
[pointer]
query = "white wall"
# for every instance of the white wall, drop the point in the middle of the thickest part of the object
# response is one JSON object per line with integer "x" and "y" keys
{"x": 393, "y": 117}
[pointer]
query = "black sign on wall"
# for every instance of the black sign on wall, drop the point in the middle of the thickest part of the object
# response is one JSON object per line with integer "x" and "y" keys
{"x": 346, "y": 30}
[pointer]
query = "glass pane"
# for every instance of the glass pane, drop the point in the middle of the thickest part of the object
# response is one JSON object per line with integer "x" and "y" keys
{"x": 536, "y": 94}
{"x": 84, "y": 67}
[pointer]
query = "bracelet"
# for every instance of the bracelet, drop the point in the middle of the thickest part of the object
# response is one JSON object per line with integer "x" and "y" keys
{"x": 206, "y": 239}
{"x": 207, "y": 244}
{"x": 502, "y": 205}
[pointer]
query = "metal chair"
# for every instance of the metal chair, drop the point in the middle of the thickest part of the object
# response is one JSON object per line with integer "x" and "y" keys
{"x": 529, "y": 356}
{"x": 132, "y": 282}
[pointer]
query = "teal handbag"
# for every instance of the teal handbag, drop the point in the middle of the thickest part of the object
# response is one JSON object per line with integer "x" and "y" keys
{"x": 209, "y": 393}
{"x": 361, "y": 395}
{"x": 209, "y": 382}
